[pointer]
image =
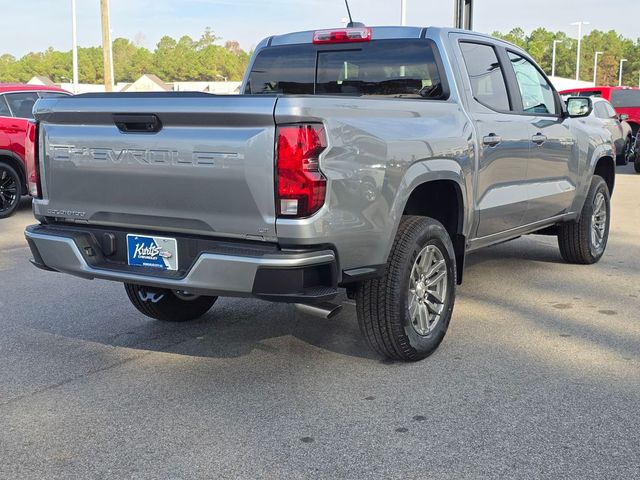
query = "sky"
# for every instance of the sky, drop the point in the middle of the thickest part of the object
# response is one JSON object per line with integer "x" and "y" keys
{"x": 34, "y": 25}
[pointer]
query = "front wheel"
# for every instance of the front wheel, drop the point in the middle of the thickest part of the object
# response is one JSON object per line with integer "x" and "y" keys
{"x": 584, "y": 241}
{"x": 168, "y": 305}
{"x": 10, "y": 190}
{"x": 636, "y": 163}
{"x": 405, "y": 314}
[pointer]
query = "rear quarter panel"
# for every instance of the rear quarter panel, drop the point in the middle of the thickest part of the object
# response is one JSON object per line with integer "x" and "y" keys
{"x": 379, "y": 151}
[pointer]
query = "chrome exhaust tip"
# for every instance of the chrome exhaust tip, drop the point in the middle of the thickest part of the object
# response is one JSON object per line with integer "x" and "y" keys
{"x": 324, "y": 310}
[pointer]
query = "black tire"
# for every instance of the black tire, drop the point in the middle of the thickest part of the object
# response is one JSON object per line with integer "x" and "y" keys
{"x": 636, "y": 163}
{"x": 383, "y": 304}
{"x": 575, "y": 238}
{"x": 623, "y": 158}
{"x": 165, "y": 305}
{"x": 10, "y": 190}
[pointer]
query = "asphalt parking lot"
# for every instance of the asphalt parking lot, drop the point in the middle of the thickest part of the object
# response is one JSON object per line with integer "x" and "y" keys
{"x": 538, "y": 377}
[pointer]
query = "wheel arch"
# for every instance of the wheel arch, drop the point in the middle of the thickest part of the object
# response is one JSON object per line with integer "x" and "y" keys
{"x": 605, "y": 167}
{"x": 441, "y": 196}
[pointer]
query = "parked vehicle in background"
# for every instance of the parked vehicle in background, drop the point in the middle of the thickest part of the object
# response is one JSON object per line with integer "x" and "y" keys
{"x": 621, "y": 132}
{"x": 16, "y": 105}
{"x": 625, "y": 101}
{"x": 369, "y": 159}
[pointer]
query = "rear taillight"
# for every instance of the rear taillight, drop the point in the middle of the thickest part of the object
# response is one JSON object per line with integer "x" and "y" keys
{"x": 31, "y": 160}
{"x": 342, "y": 35}
{"x": 301, "y": 186}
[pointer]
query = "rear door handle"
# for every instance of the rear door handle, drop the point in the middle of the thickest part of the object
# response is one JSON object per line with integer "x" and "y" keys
{"x": 492, "y": 140}
{"x": 539, "y": 139}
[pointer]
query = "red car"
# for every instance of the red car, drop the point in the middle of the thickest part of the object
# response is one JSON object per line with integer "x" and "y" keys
{"x": 16, "y": 103}
{"x": 625, "y": 100}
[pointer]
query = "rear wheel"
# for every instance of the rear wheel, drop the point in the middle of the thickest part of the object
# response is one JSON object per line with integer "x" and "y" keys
{"x": 168, "y": 305}
{"x": 636, "y": 163}
{"x": 584, "y": 241}
{"x": 627, "y": 153}
{"x": 10, "y": 190}
{"x": 405, "y": 314}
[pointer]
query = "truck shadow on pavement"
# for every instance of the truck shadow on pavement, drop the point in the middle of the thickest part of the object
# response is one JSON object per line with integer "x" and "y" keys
{"x": 237, "y": 327}
{"x": 511, "y": 275}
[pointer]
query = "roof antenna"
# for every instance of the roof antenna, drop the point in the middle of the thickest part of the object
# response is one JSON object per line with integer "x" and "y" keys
{"x": 351, "y": 23}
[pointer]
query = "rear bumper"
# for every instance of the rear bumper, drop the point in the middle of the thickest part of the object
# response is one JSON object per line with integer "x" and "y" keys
{"x": 285, "y": 276}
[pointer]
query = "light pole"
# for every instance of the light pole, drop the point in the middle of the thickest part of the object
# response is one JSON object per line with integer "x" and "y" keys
{"x": 403, "y": 12}
{"x": 553, "y": 61}
{"x": 595, "y": 68}
{"x": 74, "y": 47}
{"x": 579, "y": 24}
{"x": 620, "y": 76}
{"x": 463, "y": 14}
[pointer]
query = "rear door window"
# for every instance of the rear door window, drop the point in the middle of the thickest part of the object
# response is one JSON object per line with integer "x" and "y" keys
{"x": 383, "y": 68}
{"x": 22, "y": 103}
{"x": 4, "y": 108}
{"x": 486, "y": 75}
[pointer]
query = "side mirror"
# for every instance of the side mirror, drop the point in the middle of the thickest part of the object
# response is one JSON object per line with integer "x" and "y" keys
{"x": 624, "y": 117}
{"x": 579, "y": 107}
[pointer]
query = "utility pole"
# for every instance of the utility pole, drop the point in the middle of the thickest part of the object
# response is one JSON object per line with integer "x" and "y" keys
{"x": 595, "y": 68}
{"x": 579, "y": 24}
{"x": 403, "y": 12}
{"x": 553, "y": 61}
{"x": 107, "y": 55}
{"x": 74, "y": 47}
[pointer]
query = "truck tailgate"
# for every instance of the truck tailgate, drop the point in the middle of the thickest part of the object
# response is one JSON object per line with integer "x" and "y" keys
{"x": 193, "y": 163}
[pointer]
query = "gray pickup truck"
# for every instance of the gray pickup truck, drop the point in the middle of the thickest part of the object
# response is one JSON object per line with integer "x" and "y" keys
{"x": 366, "y": 159}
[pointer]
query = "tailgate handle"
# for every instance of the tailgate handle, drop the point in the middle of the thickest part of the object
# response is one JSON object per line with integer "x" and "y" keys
{"x": 134, "y": 123}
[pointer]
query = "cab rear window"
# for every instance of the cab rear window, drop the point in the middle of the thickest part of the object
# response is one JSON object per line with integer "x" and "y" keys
{"x": 383, "y": 68}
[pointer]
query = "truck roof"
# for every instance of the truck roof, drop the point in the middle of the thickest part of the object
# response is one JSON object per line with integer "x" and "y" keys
{"x": 378, "y": 33}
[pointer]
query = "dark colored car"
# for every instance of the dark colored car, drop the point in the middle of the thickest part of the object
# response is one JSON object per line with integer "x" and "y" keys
{"x": 16, "y": 104}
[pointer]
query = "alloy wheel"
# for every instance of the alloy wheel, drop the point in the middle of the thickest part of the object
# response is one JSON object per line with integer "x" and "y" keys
{"x": 599, "y": 222}
{"x": 8, "y": 190}
{"x": 427, "y": 290}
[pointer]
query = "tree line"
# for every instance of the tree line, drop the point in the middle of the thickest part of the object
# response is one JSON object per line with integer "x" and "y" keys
{"x": 187, "y": 59}
{"x": 615, "y": 47}
{"x": 184, "y": 59}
